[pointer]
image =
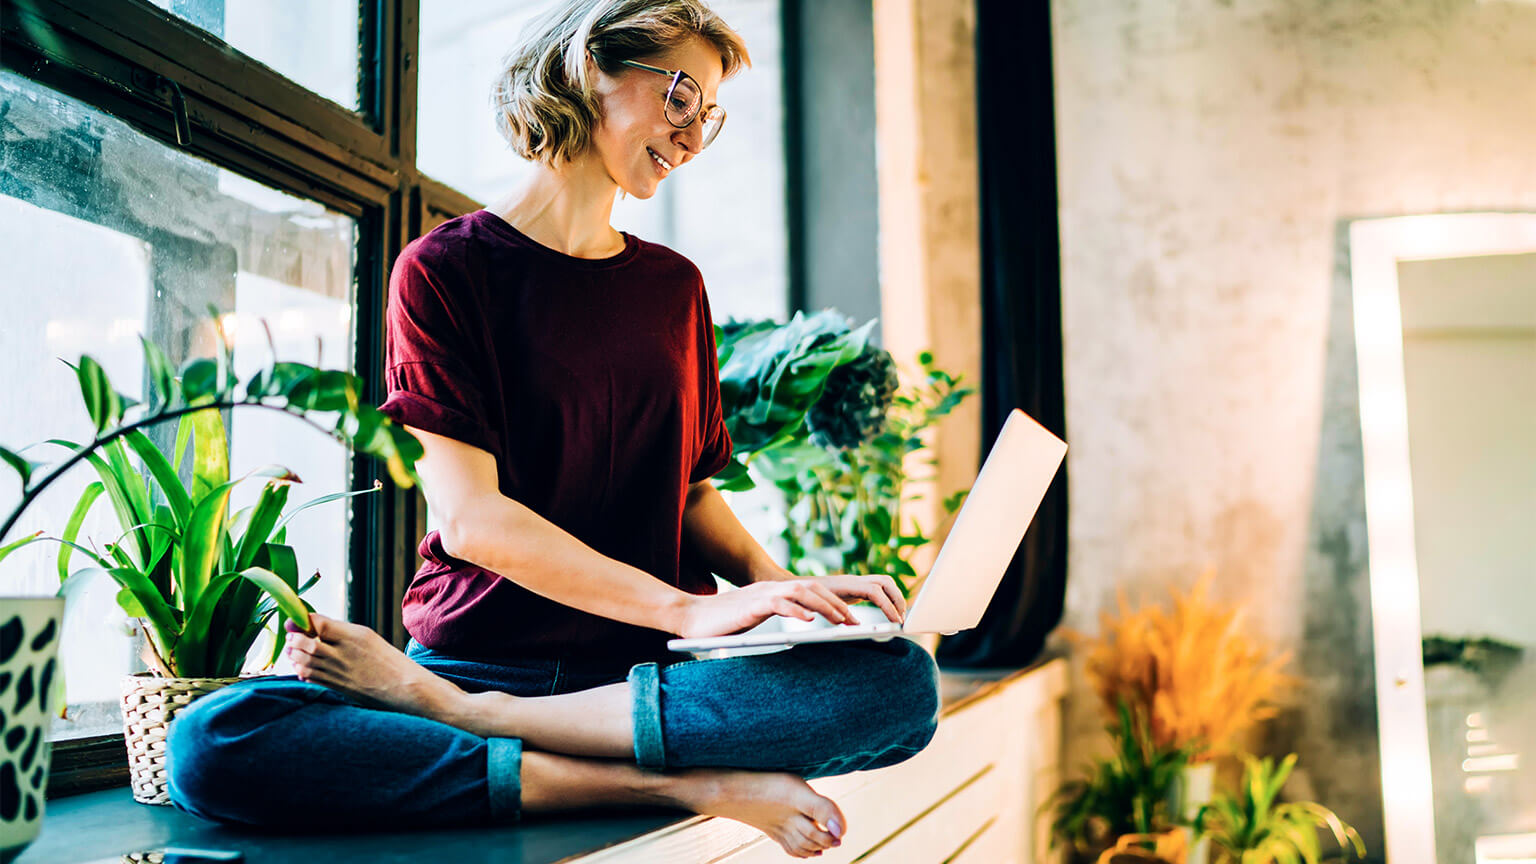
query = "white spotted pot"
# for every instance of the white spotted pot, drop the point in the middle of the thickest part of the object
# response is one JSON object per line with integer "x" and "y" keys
{"x": 29, "y": 670}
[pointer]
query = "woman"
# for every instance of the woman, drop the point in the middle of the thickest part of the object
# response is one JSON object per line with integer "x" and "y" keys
{"x": 561, "y": 376}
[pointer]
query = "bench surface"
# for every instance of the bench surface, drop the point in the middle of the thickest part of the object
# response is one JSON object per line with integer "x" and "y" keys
{"x": 103, "y": 826}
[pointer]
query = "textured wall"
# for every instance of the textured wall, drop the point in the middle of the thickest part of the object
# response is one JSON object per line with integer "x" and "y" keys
{"x": 1211, "y": 155}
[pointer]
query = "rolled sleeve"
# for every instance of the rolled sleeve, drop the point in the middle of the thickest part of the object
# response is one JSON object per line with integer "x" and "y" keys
{"x": 431, "y": 374}
{"x": 715, "y": 449}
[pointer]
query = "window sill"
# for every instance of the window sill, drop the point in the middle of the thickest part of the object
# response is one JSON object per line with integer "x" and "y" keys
{"x": 102, "y": 826}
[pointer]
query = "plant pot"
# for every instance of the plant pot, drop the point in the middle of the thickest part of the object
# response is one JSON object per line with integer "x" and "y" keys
{"x": 29, "y": 650}
{"x": 1167, "y": 847}
{"x": 149, "y": 704}
{"x": 1196, "y": 785}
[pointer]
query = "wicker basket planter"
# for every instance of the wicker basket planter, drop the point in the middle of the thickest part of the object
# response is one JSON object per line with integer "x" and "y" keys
{"x": 149, "y": 704}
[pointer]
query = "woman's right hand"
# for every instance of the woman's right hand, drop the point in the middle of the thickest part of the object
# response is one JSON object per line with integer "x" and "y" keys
{"x": 750, "y": 605}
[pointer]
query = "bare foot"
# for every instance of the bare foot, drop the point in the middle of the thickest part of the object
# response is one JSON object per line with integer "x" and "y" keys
{"x": 783, "y": 806}
{"x": 357, "y": 661}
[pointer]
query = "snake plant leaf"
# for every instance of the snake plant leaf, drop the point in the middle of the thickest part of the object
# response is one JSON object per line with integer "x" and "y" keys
{"x": 164, "y": 473}
{"x": 101, "y": 401}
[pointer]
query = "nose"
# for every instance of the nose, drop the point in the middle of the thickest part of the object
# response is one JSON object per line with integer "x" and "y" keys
{"x": 690, "y": 137}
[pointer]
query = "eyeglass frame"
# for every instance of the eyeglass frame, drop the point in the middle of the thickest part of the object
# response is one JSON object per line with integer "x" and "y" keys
{"x": 677, "y": 76}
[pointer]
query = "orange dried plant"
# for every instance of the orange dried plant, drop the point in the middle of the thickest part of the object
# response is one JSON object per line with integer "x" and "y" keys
{"x": 1198, "y": 675}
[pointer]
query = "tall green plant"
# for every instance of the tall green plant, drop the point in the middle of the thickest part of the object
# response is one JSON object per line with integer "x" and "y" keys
{"x": 205, "y": 582}
{"x": 1251, "y": 828}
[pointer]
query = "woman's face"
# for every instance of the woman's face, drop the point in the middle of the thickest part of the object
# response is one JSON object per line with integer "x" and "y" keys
{"x": 633, "y": 124}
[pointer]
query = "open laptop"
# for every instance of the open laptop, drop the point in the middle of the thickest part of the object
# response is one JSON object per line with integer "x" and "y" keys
{"x": 971, "y": 563}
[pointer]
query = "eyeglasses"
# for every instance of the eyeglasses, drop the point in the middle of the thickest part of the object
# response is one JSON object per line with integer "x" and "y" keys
{"x": 684, "y": 100}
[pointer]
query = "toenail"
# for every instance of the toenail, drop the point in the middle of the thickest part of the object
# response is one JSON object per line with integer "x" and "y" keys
{"x": 835, "y": 828}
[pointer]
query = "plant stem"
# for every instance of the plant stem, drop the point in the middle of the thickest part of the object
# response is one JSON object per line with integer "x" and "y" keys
{"x": 31, "y": 493}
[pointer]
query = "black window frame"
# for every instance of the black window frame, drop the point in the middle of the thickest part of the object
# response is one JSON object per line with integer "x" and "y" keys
{"x": 141, "y": 64}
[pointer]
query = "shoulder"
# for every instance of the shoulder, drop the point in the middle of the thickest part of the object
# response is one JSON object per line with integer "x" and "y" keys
{"x": 664, "y": 260}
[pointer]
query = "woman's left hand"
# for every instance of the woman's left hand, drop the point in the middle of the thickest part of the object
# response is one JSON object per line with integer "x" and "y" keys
{"x": 879, "y": 589}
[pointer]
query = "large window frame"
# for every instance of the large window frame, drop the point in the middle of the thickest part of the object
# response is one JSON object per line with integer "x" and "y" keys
{"x": 160, "y": 74}
{"x": 157, "y": 72}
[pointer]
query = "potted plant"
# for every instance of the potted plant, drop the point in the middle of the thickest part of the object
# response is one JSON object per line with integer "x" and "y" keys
{"x": 1195, "y": 675}
{"x": 204, "y": 582}
{"x": 838, "y": 447}
{"x": 1128, "y": 804}
{"x": 1251, "y": 828}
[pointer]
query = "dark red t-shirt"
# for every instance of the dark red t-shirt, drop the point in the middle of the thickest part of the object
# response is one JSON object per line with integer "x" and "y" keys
{"x": 594, "y": 385}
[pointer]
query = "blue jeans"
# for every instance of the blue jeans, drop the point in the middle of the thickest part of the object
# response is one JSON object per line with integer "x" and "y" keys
{"x": 282, "y": 752}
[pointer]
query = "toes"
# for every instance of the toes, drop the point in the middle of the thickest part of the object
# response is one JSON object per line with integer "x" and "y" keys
{"x": 827, "y": 815}
{"x": 816, "y": 839}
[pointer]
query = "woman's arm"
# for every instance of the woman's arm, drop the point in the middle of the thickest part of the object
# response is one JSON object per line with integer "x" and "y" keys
{"x": 727, "y": 548}
{"x": 723, "y": 543}
{"x": 479, "y": 524}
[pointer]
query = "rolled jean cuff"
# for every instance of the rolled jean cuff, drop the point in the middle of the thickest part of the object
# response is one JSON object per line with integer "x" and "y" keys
{"x": 504, "y": 777}
{"x": 645, "y": 686}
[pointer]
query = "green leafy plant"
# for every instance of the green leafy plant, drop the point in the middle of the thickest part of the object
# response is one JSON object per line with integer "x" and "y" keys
{"x": 817, "y": 411}
{"x": 846, "y": 502}
{"x": 1251, "y": 828}
{"x": 205, "y": 582}
{"x": 1137, "y": 791}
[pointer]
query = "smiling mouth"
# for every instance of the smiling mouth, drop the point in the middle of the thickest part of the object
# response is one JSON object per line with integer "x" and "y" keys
{"x": 656, "y": 157}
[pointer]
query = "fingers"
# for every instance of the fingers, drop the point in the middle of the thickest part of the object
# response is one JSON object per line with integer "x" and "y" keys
{"x": 819, "y": 598}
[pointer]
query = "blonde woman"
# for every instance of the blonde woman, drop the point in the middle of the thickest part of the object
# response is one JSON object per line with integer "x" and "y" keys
{"x": 561, "y": 375}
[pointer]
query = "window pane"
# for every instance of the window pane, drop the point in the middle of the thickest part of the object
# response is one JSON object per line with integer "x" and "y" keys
{"x": 724, "y": 210}
{"x": 313, "y": 43}
{"x": 150, "y": 237}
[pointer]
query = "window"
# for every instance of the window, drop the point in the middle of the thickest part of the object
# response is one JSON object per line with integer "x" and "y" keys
{"x": 153, "y": 236}
{"x": 315, "y": 44}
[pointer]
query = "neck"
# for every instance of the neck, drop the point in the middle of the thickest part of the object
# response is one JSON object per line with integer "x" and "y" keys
{"x": 567, "y": 208}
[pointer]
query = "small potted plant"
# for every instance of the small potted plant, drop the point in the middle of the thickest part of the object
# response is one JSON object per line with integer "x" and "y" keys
{"x": 1129, "y": 805}
{"x": 1252, "y": 828}
{"x": 204, "y": 582}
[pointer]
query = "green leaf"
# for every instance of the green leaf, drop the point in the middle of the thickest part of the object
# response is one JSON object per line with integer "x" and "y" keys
{"x": 12, "y": 546}
{"x": 23, "y": 466}
{"x": 135, "y": 490}
{"x": 325, "y": 499}
{"x": 210, "y": 452}
{"x": 325, "y": 390}
{"x": 199, "y": 378}
{"x": 77, "y": 516}
{"x": 159, "y": 372}
{"x": 165, "y": 475}
{"x": 152, "y": 605}
{"x": 264, "y": 515}
{"x": 200, "y": 545}
{"x": 191, "y": 650}
{"x": 101, "y": 401}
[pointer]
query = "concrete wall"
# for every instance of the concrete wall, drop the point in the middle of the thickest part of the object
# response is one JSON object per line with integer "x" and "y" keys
{"x": 1211, "y": 153}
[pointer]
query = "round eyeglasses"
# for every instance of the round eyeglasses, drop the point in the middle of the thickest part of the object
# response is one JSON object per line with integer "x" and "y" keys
{"x": 684, "y": 101}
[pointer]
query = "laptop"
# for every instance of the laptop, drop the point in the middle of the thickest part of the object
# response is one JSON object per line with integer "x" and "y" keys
{"x": 988, "y": 530}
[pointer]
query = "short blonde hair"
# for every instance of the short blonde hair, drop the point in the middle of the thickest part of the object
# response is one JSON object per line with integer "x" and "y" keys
{"x": 543, "y": 96}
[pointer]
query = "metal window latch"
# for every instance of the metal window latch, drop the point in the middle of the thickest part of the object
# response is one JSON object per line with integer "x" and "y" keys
{"x": 179, "y": 117}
